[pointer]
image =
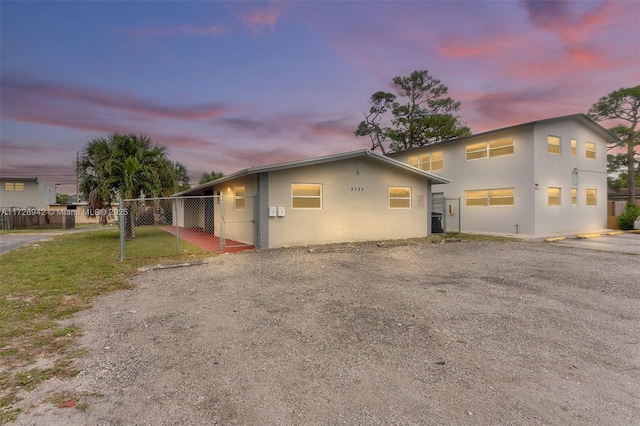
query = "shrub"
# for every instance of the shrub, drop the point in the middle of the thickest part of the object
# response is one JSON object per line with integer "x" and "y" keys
{"x": 626, "y": 219}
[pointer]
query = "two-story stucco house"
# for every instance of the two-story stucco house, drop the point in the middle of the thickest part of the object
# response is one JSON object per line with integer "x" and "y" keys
{"x": 18, "y": 192}
{"x": 542, "y": 177}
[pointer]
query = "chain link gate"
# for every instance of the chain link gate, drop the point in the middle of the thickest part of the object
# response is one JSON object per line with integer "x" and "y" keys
{"x": 445, "y": 214}
{"x": 176, "y": 226}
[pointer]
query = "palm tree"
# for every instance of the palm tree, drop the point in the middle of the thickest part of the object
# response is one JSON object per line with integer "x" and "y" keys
{"x": 208, "y": 177}
{"x": 123, "y": 166}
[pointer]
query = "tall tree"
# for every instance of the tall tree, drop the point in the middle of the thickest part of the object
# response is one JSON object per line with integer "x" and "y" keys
{"x": 427, "y": 116}
{"x": 181, "y": 177}
{"x": 623, "y": 106}
{"x": 123, "y": 166}
{"x": 208, "y": 177}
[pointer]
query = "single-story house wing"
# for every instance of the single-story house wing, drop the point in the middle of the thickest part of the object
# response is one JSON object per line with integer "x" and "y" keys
{"x": 352, "y": 196}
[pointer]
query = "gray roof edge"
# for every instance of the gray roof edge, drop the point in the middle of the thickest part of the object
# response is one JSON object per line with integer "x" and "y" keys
{"x": 578, "y": 116}
{"x": 314, "y": 161}
{"x": 26, "y": 179}
{"x": 396, "y": 163}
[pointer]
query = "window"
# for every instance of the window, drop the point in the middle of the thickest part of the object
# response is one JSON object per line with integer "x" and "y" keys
{"x": 239, "y": 198}
{"x": 476, "y": 198}
{"x": 437, "y": 163}
{"x": 399, "y": 197}
{"x": 574, "y": 196}
{"x": 492, "y": 149}
{"x": 501, "y": 147}
{"x": 475, "y": 151}
{"x": 591, "y": 197}
{"x": 553, "y": 195}
{"x": 489, "y": 197}
{"x": 574, "y": 147}
{"x": 306, "y": 196}
{"x": 501, "y": 197}
{"x": 590, "y": 150}
{"x": 554, "y": 145}
{"x": 14, "y": 186}
{"x": 427, "y": 162}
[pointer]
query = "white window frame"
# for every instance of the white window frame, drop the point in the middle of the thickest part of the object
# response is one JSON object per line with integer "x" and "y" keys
{"x": 554, "y": 199}
{"x": 14, "y": 186}
{"x": 240, "y": 201}
{"x": 499, "y": 145}
{"x": 408, "y": 198}
{"x": 591, "y": 200}
{"x": 294, "y": 197}
{"x": 426, "y": 162}
{"x": 590, "y": 153}
{"x": 554, "y": 145}
{"x": 574, "y": 147}
{"x": 574, "y": 196}
{"x": 479, "y": 148}
{"x": 489, "y": 196}
{"x": 491, "y": 149}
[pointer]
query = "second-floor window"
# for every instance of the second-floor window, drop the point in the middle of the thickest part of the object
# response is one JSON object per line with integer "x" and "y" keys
{"x": 427, "y": 162}
{"x": 14, "y": 186}
{"x": 553, "y": 143}
{"x": 590, "y": 150}
{"x": 495, "y": 148}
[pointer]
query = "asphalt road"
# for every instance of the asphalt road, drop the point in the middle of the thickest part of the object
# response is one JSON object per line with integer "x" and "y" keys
{"x": 13, "y": 241}
{"x": 624, "y": 243}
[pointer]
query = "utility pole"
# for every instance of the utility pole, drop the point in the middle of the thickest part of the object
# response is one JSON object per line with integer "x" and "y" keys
{"x": 77, "y": 178}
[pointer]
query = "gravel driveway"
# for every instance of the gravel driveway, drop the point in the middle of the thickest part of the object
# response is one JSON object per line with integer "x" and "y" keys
{"x": 456, "y": 333}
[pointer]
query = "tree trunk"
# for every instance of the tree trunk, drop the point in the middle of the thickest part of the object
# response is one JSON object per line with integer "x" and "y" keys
{"x": 631, "y": 171}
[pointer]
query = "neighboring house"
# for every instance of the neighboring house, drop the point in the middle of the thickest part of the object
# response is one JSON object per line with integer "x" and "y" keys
{"x": 24, "y": 193}
{"x": 622, "y": 194}
{"x": 81, "y": 212}
{"x": 354, "y": 196}
{"x": 542, "y": 177}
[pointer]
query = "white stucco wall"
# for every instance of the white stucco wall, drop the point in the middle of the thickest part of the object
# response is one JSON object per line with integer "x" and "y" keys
{"x": 238, "y": 224}
{"x": 554, "y": 170}
{"x": 355, "y": 204}
{"x": 530, "y": 164}
{"x": 508, "y": 171}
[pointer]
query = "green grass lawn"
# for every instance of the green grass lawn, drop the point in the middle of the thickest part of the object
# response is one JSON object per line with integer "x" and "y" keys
{"x": 43, "y": 283}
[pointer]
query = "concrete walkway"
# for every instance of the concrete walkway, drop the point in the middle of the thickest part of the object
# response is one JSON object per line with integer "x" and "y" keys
{"x": 206, "y": 240}
{"x": 627, "y": 243}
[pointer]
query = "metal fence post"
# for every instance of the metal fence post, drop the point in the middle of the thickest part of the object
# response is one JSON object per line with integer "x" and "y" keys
{"x": 121, "y": 219}
{"x": 222, "y": 227}
{"x": 175, "y": 219}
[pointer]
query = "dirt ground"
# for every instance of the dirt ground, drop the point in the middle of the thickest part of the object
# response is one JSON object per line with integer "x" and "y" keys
{"x": 431, "y": 334}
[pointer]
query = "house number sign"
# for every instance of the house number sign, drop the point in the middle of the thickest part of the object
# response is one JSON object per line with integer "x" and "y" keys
{"x": 357, "y": 189}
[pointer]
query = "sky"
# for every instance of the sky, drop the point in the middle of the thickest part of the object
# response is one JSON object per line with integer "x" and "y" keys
{"x": 230, "y": 85}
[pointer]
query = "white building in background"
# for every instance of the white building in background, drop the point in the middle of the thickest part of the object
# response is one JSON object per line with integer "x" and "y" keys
{"x": 542, "y": 177}
{"x": 21, "y": 192}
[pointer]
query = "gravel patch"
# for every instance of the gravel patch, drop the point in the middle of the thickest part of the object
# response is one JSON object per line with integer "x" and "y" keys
{"x": 457, "y": 333}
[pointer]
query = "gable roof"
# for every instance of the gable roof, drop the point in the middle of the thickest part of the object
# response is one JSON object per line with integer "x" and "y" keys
{"x": 582, "y": 118}
{"x": 319, "y": 160}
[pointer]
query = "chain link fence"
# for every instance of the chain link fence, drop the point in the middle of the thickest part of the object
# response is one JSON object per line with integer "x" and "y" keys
{"x": 175, "y": 226}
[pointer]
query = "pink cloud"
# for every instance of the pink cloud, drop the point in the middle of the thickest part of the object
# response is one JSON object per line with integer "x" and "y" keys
{"x": 264, "y": 19}
{"x": 342, "y": 128}
{"x": 89, "y": 108}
